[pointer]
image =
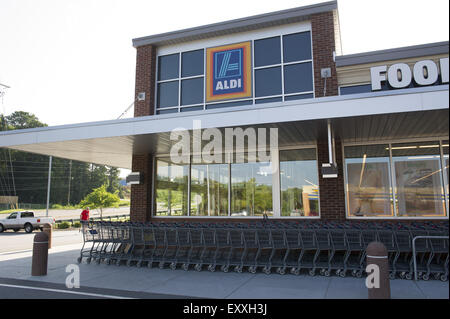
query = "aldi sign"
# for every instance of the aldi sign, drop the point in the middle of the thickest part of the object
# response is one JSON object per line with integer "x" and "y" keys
{"x": 228, "y": 72}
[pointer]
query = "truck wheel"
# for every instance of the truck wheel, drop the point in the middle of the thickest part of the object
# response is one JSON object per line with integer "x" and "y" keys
{"x": 28, "y": 228}
{"x": 2, "y": 228}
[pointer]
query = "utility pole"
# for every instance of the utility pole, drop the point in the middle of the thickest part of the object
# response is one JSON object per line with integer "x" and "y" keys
{"x": 70, "y": 178}
{"x": 48, "y": 185}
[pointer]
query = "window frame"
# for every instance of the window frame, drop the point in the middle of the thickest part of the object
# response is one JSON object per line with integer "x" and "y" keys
{"x": 246, "y": 36}
{"x": 392, "y": 178}
{"x": 276, "y": 189}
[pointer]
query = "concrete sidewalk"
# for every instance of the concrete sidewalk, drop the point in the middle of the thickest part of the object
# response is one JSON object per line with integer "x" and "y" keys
{"x": 205, "y": 284}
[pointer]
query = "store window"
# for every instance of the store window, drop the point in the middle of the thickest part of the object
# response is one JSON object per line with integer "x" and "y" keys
{"x": 368, "y": 179}
{"x": 251, "y": 189}
{"x": 419, "y": 189}
{"x": 299, "y": 183}
{"x": 209, "y": 189}
{"x": 171, "y": 188}
{"x": 415, "y": 174}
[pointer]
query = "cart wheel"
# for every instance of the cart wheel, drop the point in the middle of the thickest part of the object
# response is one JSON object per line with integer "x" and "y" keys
{"x": 266, "y": 270}
{"x": 225, "y": 269}
{"x": 138, "y": 264}
{"x": 198, "y": 267}
{"x": 322, "y": 271}
{"x": 296, "y": 271}
{"x": 342, "y": 274}
{"x": 425, "y": 277}
{"x": 354, "y": 272}
{"x": 173, "y": 266}
{"x": 392, "y": 275}
{"x": 252, "y": 270}
{"x": 338, "y": 272}
{"x": 79, "y": 260}
{"x": 212, "y": 268}
{"x": 149, "y": 265}
{"x": 89, "y": 260}
{"x": 359, "y": 274}
{"x": 282, "y": 271}
{"x": 402, "y": 275}
{"x": 128, "y": 263}
{"x": 444, "y": 277}
{"x": 408, "y": 276}
{"x": 327, "y": 273}
{"x": 436, "y": 276}
{"x": 312, "y": 272}
{"x": 185, "y": 267}
{"x": 239, "y": 270}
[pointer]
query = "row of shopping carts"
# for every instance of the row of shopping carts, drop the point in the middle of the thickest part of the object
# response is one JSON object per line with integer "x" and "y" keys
{"x": 315, "y": 247}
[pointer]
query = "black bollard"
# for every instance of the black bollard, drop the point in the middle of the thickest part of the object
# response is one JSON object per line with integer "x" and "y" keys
{"x": 377, "y": 256}
{"x": 40, "y": 255}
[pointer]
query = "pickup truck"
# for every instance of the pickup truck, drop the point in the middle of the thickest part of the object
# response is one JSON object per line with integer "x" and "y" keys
{"x": 24, "y": 220}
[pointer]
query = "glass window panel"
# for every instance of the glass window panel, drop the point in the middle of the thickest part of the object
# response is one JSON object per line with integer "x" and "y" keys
{"x": 192, "y": 108}
{"x": 209, "y": 190}
{"x": 168, "y": 94}
{"x": 268, "y": 81}
{"x": 192, "y": 63}
{"x": 299, "y": 183}
{"x": 168, "y": 67}
{"x": 298, "y": 78}
{"x": 171, "y": 188}
{"x": 446, "y": 164}
{"x": 269, "y": 100}
{"x": 297, "y": 47}
{"x": 368, "y": 186}
{"x": 267, "y": 51}
{"x": 192, "y": 91}
{"x": 299, "y": 97}
{"x": 355, "y": 89}
{"x": 251, "y": 189}
{"x": 221, "y": 105}
{"x": 419, "y": 189}
{"x": 166, "y": 111}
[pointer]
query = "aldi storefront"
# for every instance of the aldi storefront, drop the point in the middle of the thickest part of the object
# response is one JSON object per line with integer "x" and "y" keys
{"x": 264, "y": 116}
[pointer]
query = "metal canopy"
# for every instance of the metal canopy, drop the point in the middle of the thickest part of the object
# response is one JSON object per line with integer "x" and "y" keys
{"x": 402, "y": 114}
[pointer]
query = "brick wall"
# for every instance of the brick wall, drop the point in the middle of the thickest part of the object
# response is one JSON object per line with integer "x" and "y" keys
{"x": 332, "y": 196}
{"x": 141, "y": 195}
{"x": 324, "y": 40}
{"x": 145, "y": 80}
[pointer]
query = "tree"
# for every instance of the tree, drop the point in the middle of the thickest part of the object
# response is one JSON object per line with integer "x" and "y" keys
{"x": 100, "y": 198}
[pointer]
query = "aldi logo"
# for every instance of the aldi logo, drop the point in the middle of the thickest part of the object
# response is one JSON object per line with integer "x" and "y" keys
{"x": 228, "y": 72}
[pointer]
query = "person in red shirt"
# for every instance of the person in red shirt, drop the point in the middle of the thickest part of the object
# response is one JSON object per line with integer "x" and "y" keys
{"x": 84, "y": 217}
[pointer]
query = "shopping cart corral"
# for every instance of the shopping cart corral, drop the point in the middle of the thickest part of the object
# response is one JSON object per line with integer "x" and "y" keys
{"x": 415, "y": 249}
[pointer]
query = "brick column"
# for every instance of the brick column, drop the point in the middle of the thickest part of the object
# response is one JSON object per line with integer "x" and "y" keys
{"x": 332, "y": 195}
{"x": 145, "y": 80}
{"x": 324, "y": 32}
{"x": 141, "y": 195}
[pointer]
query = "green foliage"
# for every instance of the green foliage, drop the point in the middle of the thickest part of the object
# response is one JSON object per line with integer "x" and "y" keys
{"x": 63, "y": 225}
{"x": 100, "y": 198}
{"x": 77, "y": 225}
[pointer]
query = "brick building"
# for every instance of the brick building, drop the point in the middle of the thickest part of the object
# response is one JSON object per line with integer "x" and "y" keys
{"x": 362, "y": 136}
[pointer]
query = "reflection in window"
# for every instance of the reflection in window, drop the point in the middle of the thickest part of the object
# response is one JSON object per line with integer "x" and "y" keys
{"x": 297, "y": 47}
{"x": 267, "y": 51}
{"x": 299, "y": 183}
{"x": 168, "y": 94}
{"x": 168, "y": 67}
{"x": 171, "y": 188}
{"x": 419, "y": 189}
{"x": 268, "y": 81}
{"x": 209, "y": 190}
{"x": 298, "y": 78}
{"x": 192, "y": 91}
{"x": 251, "y": 189}
{"x": 192, "y": 63}
{"x": 368, "y": 181}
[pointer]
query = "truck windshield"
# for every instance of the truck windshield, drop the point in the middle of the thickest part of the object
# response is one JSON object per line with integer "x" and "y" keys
{"x": 13, "y": 216}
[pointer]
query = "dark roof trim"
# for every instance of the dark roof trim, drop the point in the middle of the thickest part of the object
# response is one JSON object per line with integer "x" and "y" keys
{"x": 393, "y": 54}
{"x": 237, "y": 25}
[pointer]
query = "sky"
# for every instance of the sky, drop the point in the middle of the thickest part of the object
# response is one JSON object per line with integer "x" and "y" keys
{"x": 72, "y": 61}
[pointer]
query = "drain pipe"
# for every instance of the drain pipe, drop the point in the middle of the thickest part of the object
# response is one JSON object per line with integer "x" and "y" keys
{"x": 329, "y": 170}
